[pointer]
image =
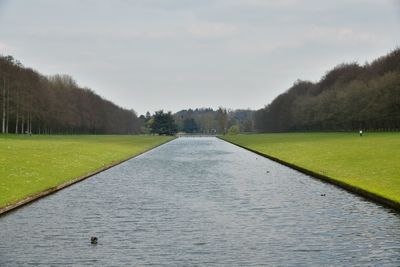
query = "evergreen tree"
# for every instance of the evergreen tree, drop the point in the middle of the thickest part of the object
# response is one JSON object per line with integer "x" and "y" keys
{"x": 163, "y": 123}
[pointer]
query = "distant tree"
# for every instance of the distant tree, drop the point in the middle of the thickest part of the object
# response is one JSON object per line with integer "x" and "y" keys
{"x": 233, "y": 130}
{"x": 348, "y": 97}
{"x": 222, "y": 118}
{"x": 190, "y": 125}
{"x": 33, "y": 103}
{"x": 248, "y": 126}
{"x": 207, "y": 119}
{"x": 148, "y": 116}
{"x": 163, "y": 123}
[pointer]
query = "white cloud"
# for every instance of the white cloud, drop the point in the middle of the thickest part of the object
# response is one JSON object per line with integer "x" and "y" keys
{"x": 341, "y": 35}
{"x": 263, "y": 3}
{"x": 207, "y": 30}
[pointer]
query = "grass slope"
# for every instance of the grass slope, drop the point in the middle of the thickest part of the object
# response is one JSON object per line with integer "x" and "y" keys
{"x": 29, "y": 165}
{"x": 371, "y": 162}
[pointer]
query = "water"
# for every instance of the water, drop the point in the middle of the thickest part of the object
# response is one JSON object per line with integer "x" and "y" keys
{"x": 201, "y": 201}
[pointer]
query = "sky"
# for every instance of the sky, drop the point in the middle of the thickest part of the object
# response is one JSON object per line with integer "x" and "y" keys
{"x": 149, "y": 55}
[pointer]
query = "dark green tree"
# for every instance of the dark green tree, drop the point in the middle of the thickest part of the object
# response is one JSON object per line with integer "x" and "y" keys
{"x": 163, "y": 123}
{"x": 190, "y": 126}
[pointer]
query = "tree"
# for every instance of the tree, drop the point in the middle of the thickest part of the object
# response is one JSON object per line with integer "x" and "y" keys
{"x": 163, "y": 123}
{"x": 33, "y": 103}
{"x": 222, "y": 119}
{"x": 348, "y": 97}
{"x": 234, "y": 129}
{"x": 190, "y": 125}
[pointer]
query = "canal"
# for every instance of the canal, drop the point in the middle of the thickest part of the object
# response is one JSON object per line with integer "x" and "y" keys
{"x": 201, "y": 201}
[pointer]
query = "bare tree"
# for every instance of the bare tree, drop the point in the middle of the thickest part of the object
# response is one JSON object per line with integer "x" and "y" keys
{"x": 222, "y": 118}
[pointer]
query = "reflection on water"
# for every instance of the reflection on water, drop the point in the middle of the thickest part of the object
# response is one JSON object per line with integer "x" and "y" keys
{"x": 201, "y": 201}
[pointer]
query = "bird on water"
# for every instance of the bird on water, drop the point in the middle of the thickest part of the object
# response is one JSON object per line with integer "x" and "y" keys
{"x": 93, "y": 240}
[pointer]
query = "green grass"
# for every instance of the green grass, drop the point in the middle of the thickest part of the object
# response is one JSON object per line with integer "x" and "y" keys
{"x": 371, "y": 162}
{"x": 29, "y": 165}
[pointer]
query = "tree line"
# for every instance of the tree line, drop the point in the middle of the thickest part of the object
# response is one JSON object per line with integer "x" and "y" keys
{"x": 34, "y": 103}
{"x": 210, "y": 121}
{"x": 198, "y": 121}
{"x": 348, "y": 97}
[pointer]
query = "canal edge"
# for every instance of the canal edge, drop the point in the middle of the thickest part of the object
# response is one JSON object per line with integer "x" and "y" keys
{"x": 6, "y": 209}
{"x": 388, "y": 203}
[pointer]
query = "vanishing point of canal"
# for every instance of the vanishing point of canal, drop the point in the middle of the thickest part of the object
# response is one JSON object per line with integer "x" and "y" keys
{"x": 201, "y": 202}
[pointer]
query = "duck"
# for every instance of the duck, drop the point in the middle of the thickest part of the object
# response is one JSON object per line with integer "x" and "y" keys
{"x": 93, "y": 240}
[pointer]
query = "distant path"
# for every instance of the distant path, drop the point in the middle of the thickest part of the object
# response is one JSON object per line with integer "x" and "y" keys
{"x": 201, "y": 201}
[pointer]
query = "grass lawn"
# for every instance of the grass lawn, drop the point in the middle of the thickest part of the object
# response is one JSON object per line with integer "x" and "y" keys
{"x": 371, "y": 162}
{"x": 29, "y": 165}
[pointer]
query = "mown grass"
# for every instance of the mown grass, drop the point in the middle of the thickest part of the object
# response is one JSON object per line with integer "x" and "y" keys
{"x": 29, "y": 165}
{"x": 371, "y": 162}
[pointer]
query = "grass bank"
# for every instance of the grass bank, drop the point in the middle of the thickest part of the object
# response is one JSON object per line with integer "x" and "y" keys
{"x": 29, "y": 165}
{"x": 370, "y": 163}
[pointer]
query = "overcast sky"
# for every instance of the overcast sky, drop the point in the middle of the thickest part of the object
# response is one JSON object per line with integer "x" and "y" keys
{"x": 175, "y": 54}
